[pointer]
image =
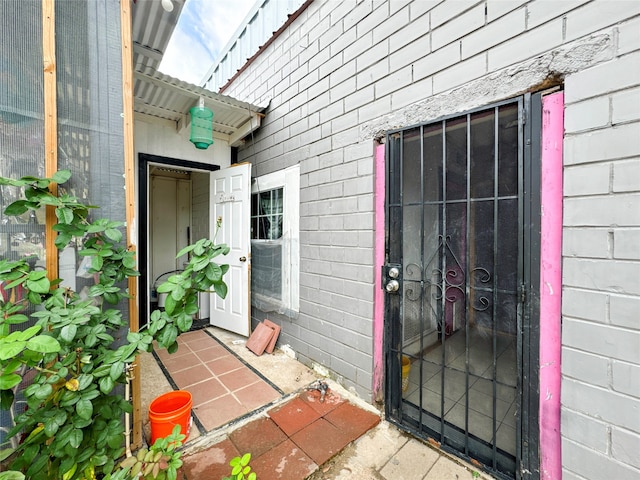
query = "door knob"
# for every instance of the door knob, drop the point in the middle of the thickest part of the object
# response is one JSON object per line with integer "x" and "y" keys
{"x": 392, "y": 286}
{"x": 243, "y": 259}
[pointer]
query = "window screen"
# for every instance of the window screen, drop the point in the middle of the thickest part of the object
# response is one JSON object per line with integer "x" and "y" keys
{"x": 267, "y": 215}
{"x": 267, "y": 209}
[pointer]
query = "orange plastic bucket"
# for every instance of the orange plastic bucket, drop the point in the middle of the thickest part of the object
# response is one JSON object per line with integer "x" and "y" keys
{"x": 167, "y": 411}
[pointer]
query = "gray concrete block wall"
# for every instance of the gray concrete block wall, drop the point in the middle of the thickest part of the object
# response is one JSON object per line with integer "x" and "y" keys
{"x": 601, "y": 271}
{"x": 345, "y": 72}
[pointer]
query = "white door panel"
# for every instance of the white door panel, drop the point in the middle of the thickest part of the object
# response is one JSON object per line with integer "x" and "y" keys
{"x": 231, "y": 200}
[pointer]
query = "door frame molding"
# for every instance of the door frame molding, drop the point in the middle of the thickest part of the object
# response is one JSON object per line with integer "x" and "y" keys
{"x": 144, "y": 160}
{"x": 530, "y": 417}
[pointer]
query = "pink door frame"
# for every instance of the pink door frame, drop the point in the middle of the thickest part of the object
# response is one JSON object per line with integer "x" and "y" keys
{"x": 550, "y": 282}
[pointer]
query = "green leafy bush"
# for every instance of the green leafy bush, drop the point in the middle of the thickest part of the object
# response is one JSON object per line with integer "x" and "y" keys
{"x": 80, "y": 349}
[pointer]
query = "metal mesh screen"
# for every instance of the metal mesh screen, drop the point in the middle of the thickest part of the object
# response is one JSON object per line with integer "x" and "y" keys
{"x": 89, "y": 122}
{"x": 21, "y": 137}
{"x": 90, "y": 135}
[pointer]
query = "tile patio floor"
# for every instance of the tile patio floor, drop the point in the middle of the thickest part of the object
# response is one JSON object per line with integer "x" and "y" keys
{"x": 223, "y": 387}
{"x": 289, "y": 439}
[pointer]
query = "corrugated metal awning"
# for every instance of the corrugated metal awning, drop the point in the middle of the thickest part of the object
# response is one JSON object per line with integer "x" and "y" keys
{"x": 161, "y": 98}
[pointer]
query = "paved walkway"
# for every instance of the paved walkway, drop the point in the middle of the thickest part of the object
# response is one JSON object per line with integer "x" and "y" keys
{"x": 291, "y": 435}
{"x": 290, "y": 441}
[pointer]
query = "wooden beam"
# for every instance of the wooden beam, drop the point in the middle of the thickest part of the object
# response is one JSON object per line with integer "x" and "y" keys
{"x": 129, "y": 184}
{"x": 50, "y": 127}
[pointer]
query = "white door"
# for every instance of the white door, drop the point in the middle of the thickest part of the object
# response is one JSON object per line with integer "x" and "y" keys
{"x": 231, "y": 200}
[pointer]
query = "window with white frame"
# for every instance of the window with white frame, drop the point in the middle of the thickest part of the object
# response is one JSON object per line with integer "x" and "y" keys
{"x": 275, "y": 240}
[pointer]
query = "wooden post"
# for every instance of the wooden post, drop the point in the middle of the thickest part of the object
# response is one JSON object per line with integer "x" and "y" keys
{"x": 50, "y": 127}
{"x": 129, "y": 183}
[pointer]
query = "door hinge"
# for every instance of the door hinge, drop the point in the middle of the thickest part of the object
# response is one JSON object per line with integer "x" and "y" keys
{"x": 522, "y": 294}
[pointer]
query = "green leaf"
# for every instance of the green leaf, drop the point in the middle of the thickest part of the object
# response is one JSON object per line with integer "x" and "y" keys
{"x": 184, "y": 322}
{"x": 6, "y": 399}
{"x": 200, "y": 263}
{"x": 129, "y": 261}
{"x": 43, "y": 391}
{"x": 117, "y": 370}
{"x": 168, "y": 335}
{"x": 28, "y": 333}
{"x": 10, "y": 350}
{"x": 97, "y": 262}
{"x": 214, "y": 272}
{"x": 9, "y": 380}
{"x": 113, "y": 234}
{"x": 221, "y": 289}
{"x": 61, "y": 176}
{"x": 185, "y": 250}
{"x": 84, "y": 408}
{"x": 75, "y": 439}
{"x": 43, "y": 344}
{"x": 170, "y": 304}
{"x": 41, "y": 285}
{"x": 68, "y": 333}
{"x": 191, "y": 308}
{"x": 16, "y": 319}
{"x": 106, "y": 385}
{"x": 17, "y": 208}
{"x": 65, "y": 215}
{"x": 62, "y": 240}
{"x": 12, "y": 365}
{"x": 6, "y": 453}
{"x": 34, "y": 297}
{"x": 11, "y": 475}
{"x": 38, "y": 466}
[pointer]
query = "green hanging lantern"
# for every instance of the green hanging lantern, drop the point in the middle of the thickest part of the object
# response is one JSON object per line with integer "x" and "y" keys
{"x": 201, "y": 126}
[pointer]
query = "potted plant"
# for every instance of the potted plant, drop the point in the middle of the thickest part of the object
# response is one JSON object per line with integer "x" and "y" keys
{"x": 79, "y": 351}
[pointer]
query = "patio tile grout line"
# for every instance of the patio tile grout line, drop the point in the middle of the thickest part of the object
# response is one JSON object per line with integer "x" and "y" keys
{"x": 196, "y": 420}
{"x": 242, "y": 360}
{"x": 243, "y": 364}
{"x": 199, "y": 425}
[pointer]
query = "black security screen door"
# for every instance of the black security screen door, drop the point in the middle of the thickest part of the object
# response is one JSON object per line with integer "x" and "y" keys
{"x": 454, "y": 278}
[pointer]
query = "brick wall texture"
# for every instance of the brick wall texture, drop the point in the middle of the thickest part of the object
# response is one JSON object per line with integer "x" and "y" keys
{"x": 344, "y": 72}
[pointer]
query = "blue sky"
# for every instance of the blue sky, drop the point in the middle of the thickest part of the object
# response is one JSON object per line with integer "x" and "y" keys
{"x": 205, "y": 27}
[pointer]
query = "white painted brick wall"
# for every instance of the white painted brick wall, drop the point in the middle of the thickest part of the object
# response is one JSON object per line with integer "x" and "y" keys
{"x": 591, "y": 179}
{"x": 625, "y": 446}
{"x": 587, "y": 242}
{"x": 458, "y": 27}
{"x": 495, "y": 32}
{"x": 586, "y": 367}
{"x": 593, "y": 433}
{"x": 343, "y": 70}
{"x": 596, "y": 15}
{"x": 626, "y": 176}
{"x": 624, "y": 311}
{"x": 527, "y": 45}
{"x": 626, "y": 243}
{"x": 629, "y": 37}
{"x": 539, "y": 13}
{"x": 587, "y": 115}
{"x": 604, "y": 78}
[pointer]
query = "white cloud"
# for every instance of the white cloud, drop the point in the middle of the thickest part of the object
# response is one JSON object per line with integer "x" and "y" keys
{"x": 204, "y": 29}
